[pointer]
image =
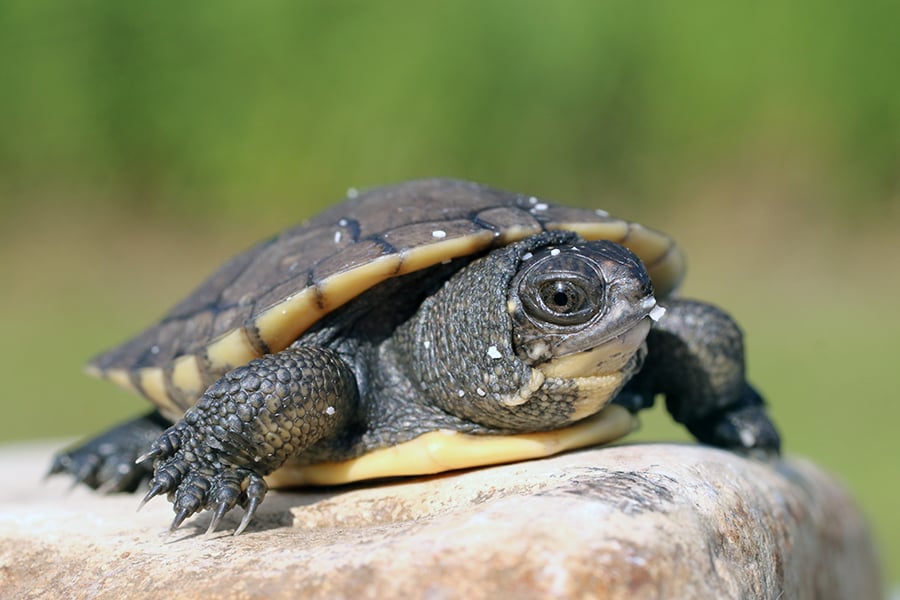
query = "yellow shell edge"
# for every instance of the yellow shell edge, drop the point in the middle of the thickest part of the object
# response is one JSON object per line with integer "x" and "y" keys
{"x": 426, "y": 255}
{"x": 445, "y": 450}
{"x": 663, "y": 258}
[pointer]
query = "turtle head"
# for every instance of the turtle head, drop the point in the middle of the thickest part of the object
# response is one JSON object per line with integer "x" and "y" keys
{"x": 533, "y": 336}
{"x": 580, "y": 309}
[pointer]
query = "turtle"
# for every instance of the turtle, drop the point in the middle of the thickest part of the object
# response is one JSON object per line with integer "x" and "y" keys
{"x": 412, "y": 329}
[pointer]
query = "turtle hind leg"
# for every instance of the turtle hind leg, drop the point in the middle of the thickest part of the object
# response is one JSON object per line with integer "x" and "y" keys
{"x": 246, "y": 425}
{"x": 696, "y": 360}
{"x": 107, "y": 462}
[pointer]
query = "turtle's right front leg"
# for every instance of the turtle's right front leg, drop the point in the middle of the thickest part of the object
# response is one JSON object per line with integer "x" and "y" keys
{"x": 246, "y": 425}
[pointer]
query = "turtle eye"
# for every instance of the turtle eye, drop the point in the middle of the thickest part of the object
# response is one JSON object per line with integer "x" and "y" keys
{"x": 562, "y": 290}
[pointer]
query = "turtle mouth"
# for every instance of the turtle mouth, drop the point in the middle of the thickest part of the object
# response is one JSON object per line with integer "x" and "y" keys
{"x": 613, "y": 354}
{"x": 637, "y": 316}
{"x": 607, "y": 351}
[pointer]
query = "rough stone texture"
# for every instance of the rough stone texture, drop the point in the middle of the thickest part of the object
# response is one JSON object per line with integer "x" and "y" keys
{"x": 640, "y": 521}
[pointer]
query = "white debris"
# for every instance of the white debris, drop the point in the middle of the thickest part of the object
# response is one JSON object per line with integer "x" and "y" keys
{"x": 426, "y": 344}
{"x": 601, "y": 213}
{"x": 154, "y": 349}
{"x": 439, "y": 234}
{"x": 494, "y": 353}
{"x": 747, "y": 438}
{"x": 480, "y": 391}
{"x": 532, "y": 200}
{"x": 329, "y": 410}
{"x": 540, "y": 206}
{"x": 460, "y": 393}
{"x": 527, "y": 256}
{"x": 337, "y": 237}
{"x": 352, "y": 192}
{"x": 343, "y": 222}
{"x": 657, "y": 312}
{"x": 554, "y": 252}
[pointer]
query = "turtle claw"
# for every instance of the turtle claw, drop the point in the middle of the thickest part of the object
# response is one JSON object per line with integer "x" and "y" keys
{"x": 180, "y": 516}
{"x": 195, "y": 480}
{"x": 248, "y": 516}
{"x": 221, "y": 509}
{"x": 155, "y": 490}
{"x": 256, "y": 492}
{"x": 57, "y": 466}
{"x": 153, "y": 453}
{"x": 110, "y": 485}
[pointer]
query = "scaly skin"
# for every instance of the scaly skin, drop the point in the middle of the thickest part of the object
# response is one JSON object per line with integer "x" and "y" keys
{"x": 107, "y": 462}
{"x": 245, "y": 426}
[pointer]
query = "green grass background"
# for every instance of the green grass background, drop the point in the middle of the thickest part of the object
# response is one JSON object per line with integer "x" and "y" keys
{"x": 142, "y": 143}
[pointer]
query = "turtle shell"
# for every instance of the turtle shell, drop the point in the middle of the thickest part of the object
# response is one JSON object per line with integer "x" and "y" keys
{"x": 262, "y": 300}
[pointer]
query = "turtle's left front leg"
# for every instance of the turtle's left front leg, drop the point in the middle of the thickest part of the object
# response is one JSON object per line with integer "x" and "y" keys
{"x": 695, "y": 359}
{"x": 246, "y": 425}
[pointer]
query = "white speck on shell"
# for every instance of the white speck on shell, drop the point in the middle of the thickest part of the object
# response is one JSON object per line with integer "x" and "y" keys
{"x": 532, "y": 200}
{"x": 554, "y": 252}
{"x": 343, "y": 222}
{"x": 352, "y": 192}
{"x": 426, "y": 344}
{"x": 493, "y": 352}
{"x": 337, "y": 237}
{"x": 539, "y": 207}
{"x": 527, "y": 256}
{"x": 601, "y": 213}
{"x": 154, "y": 349}
{"x": 439, "y": 234}
{"x": 480, "y": 392}
{"x": 460, "y": 393}
{"x": 329, "y": 410}
{"x": 657, "y": 312}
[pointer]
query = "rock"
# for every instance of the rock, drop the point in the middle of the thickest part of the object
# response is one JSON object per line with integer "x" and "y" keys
{"x": 634, "y": 521}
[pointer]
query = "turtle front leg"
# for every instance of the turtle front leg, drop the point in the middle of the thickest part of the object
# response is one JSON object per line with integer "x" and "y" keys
{"x": 695, "y": 359}
{"x": 246, "y": 425}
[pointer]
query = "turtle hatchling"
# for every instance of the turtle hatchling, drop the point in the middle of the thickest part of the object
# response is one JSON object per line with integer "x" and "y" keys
{"x": 412, "y": 329}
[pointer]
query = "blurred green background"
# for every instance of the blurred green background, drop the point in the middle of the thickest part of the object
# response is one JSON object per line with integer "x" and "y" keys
{"x": 142, "y": 143}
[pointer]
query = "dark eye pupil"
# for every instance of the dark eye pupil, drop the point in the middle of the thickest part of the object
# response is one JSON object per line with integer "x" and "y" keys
{"x": 560, "y": 298}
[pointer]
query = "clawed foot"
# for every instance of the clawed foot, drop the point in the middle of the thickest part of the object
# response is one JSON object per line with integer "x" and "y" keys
{"x": 107, "y": 463}
{"x": 195, "y": 479}
{"x": 744, "y": 428}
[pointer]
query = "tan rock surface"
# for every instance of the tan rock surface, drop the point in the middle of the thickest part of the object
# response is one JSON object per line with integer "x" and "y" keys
{"x": 640, "y": 521}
